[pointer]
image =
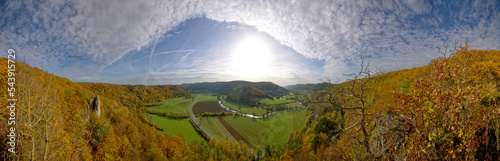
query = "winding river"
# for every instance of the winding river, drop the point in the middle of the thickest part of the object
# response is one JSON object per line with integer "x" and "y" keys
{"x": 258, "y": 117}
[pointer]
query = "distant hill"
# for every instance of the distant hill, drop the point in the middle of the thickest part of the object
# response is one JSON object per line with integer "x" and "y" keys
{"x": 226, "y": 87}
{"x": 248, "y": 94}
{"x": 309, "y": 87}
{"x": 136, "y": 95}
{"x": 294, "y": 87}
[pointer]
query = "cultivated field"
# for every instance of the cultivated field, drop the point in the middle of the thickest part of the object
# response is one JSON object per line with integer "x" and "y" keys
{"x": 275, "y": 129}
{"x": 177, "y": 127}
{"x": 232, "y": 131}
{"x": 214, "y": 127}
{"x": 223, "y": 129}
{"x": 202, "y": 107}
{"x": 174, "y": 105}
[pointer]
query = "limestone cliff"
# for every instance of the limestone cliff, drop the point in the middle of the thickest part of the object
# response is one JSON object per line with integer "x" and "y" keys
{"x": 94, "y": 106}
{"x": 389, "y": 134}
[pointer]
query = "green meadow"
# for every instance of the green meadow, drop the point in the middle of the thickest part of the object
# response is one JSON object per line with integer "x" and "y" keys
{"x": 174, "y": 105}
{"x": 275, "y": 129}
{"x": 274, "y": 101}
{"x": 206, "y": 98}
{"x": 177, "y": 127}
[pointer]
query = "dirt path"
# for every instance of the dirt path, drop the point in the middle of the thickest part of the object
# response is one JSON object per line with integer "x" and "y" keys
{"x": 233, "y": 132}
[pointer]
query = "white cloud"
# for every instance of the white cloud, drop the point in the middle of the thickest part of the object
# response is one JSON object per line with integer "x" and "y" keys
{"x": 335, "y": 31}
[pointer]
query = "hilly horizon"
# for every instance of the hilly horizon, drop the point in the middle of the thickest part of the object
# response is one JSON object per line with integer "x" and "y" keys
{"x": 226, "y": 87}
{"x": 201, "y": 87}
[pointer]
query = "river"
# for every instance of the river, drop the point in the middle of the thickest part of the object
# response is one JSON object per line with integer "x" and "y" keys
{"x": 258, "y": 117}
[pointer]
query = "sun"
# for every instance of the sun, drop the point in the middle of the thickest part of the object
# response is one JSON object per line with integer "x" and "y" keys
{"x": 251, "y": 57}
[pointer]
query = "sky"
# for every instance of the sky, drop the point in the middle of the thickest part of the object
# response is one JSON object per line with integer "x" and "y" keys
{"x": 282, "y": 41}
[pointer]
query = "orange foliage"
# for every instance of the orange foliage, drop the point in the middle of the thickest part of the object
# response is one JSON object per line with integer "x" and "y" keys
{"x": 119, "y": 133}
{"x": 446, "y": 105}
{"x": 453, "y": 102}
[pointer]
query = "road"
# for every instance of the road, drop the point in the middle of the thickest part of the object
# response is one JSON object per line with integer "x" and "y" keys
{"x": 193, "y": 117}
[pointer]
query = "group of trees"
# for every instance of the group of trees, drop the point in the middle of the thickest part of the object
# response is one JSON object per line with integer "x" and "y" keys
{"x": 49, "y": 120}
{"x": 156, "y": 93}
{"x": 223, "y": 113}
{"x": 167, "y": 114}
{"x": 304, "y": 88}
{"x": 247, "y": 94}
{"x": 271, "y": 108}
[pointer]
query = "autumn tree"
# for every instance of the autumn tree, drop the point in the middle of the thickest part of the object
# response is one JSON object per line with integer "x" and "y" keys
{"x": 40, "y": 122}
{"x": 342, "y": 111}
{"x": 450, "y": 120}
{"x": 354, "y": 98}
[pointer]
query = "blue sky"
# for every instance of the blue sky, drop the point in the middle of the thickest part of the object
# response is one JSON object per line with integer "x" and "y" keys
{"x": 286, "y": 42}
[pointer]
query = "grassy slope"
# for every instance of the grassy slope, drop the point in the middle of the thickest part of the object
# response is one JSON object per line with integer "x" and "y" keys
{"x": 177, "y": 127}
{"x": 276, "y": 129}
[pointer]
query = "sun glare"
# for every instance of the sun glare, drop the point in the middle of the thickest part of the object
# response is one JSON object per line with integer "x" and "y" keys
{"x": 251, "y": 58}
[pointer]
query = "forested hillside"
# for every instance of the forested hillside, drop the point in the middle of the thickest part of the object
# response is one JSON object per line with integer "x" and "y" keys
{"x": 309, "y": 87}
{"x": 136, "y": 95}
{"x": 446, "y": 110}
{"x": 248, "y": 94}
{"x": 52, "y": 124}
{"x": 225, "y": 87}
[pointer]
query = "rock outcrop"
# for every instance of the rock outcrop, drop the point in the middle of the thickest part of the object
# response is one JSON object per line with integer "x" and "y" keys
{"x": 94, "y": 106}
{"x": 389, "y": 134}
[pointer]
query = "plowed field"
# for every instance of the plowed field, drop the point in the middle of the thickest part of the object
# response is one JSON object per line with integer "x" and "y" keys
{"x": 202, "y": 107}
{"x": 233, "y": 132}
